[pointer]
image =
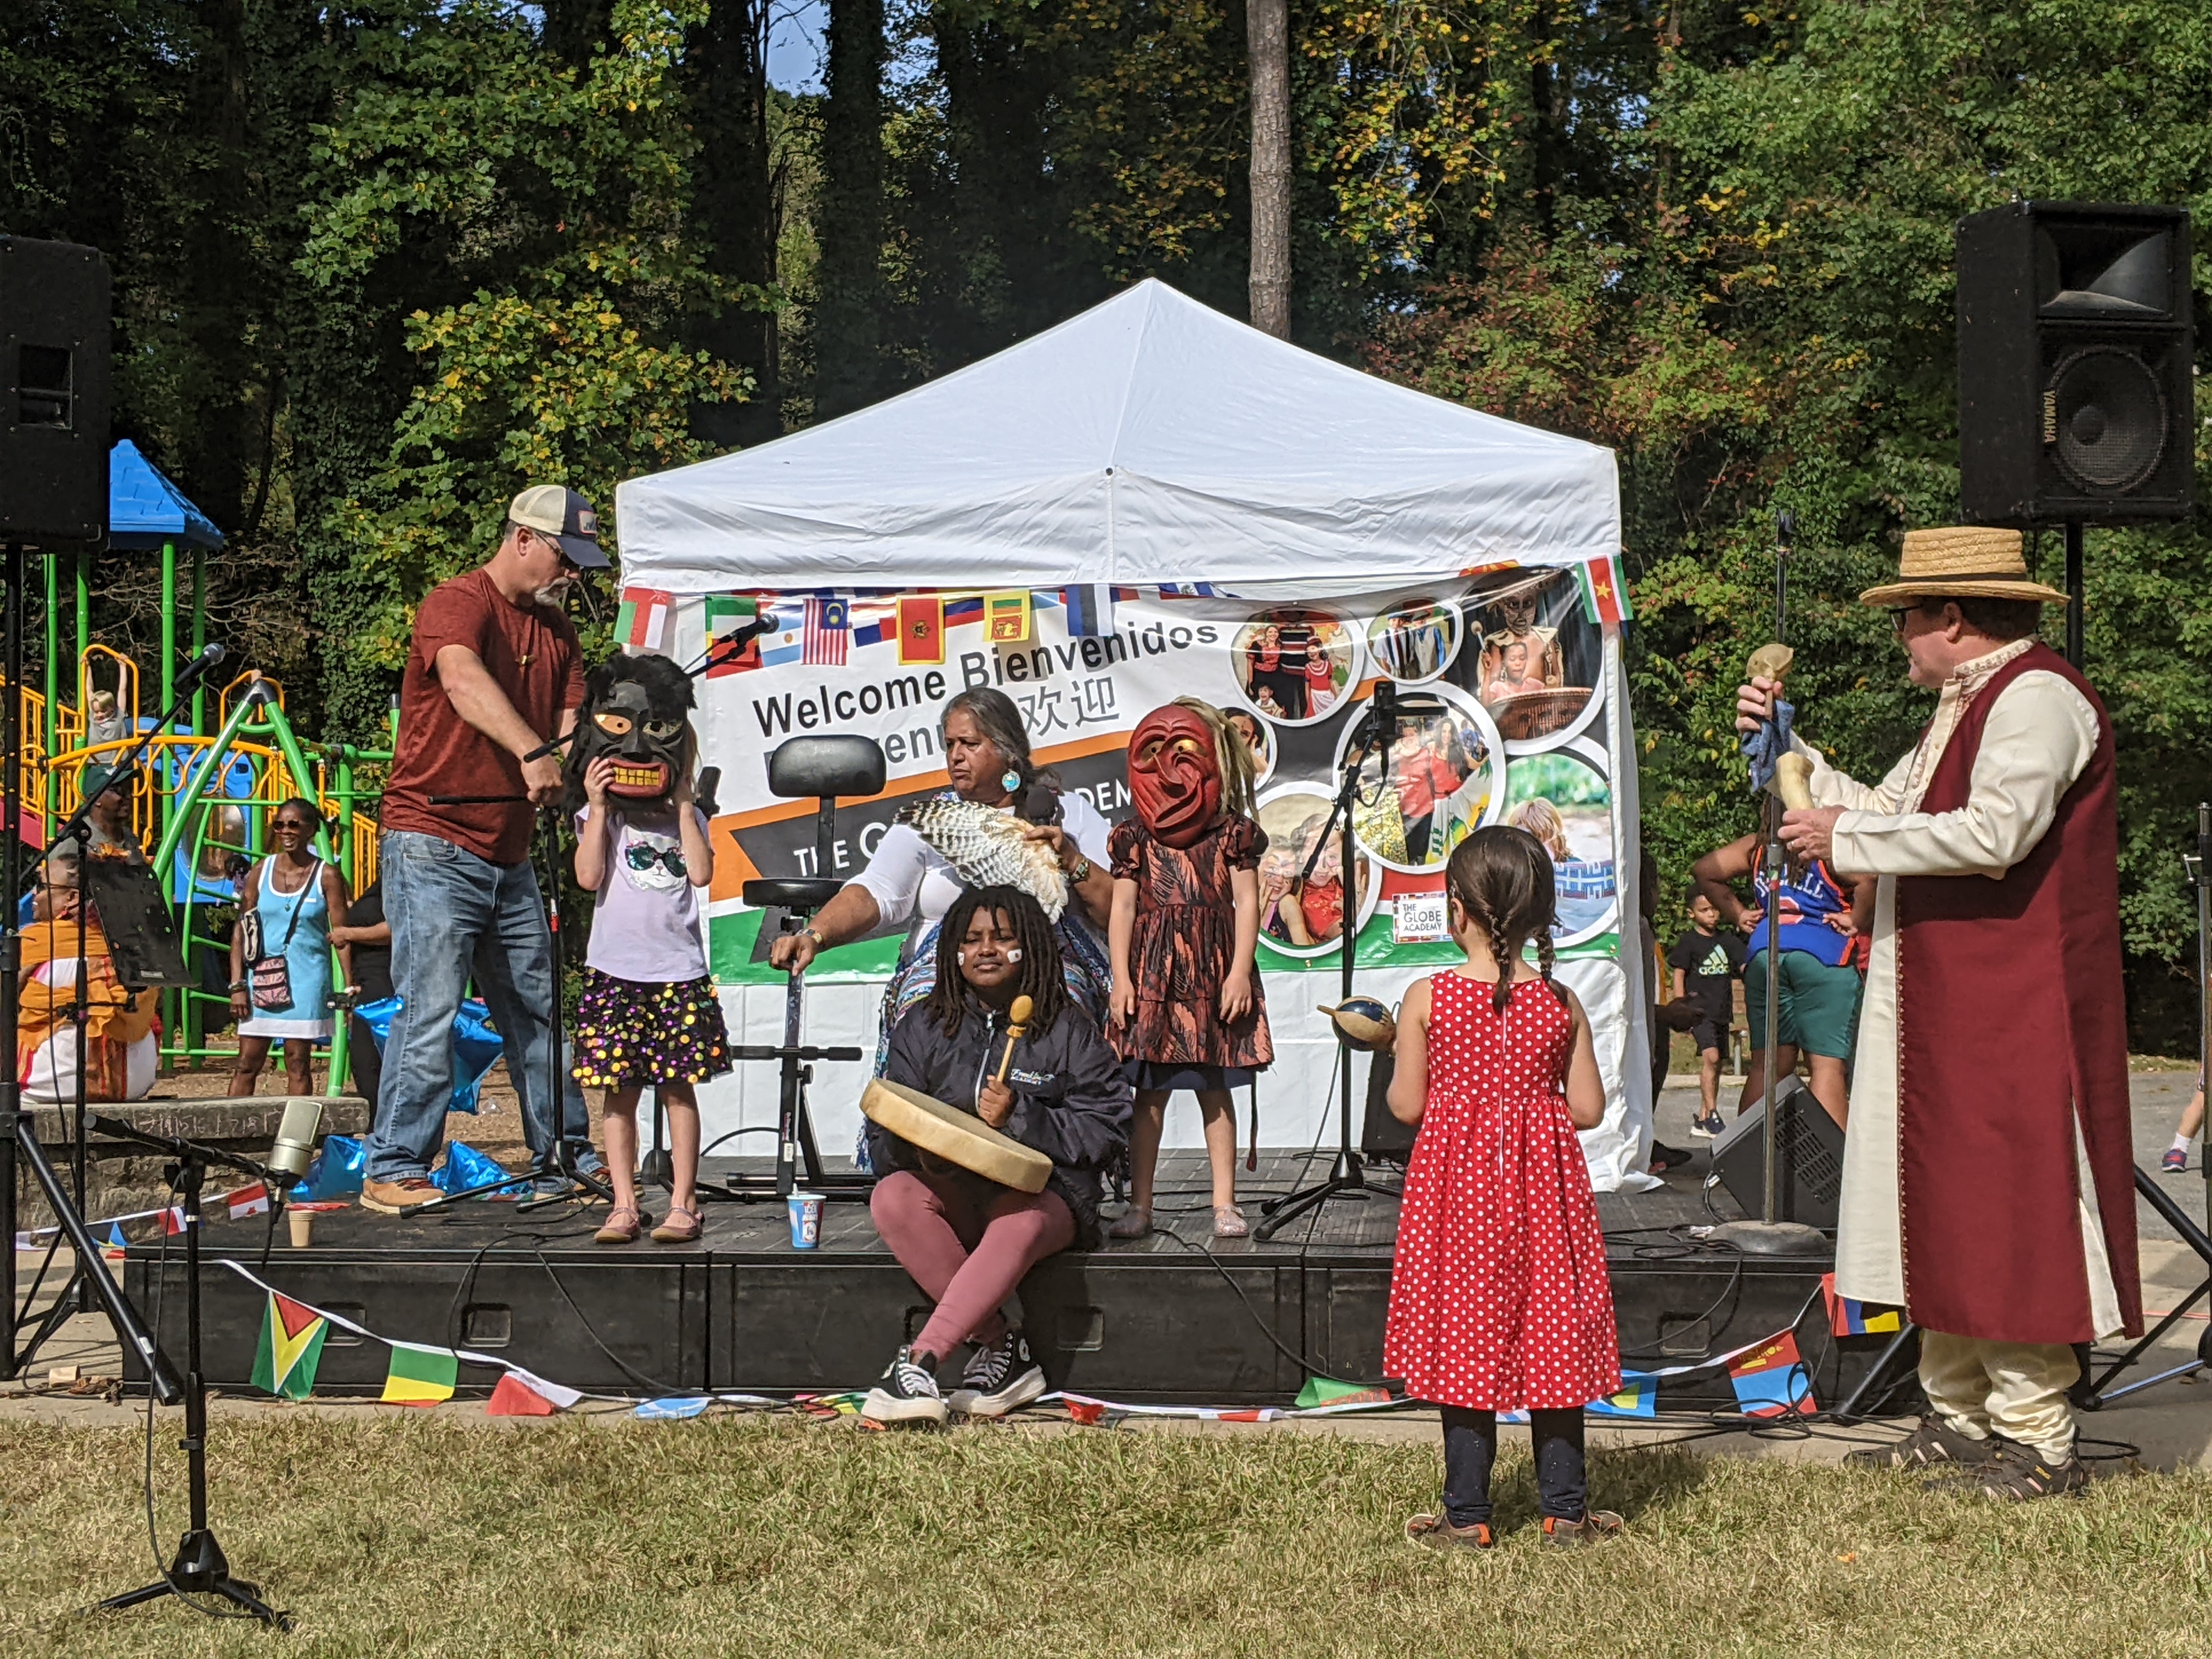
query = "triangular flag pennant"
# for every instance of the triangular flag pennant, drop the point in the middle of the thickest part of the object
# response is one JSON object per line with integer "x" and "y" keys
{"x": 420, "y": 1376}
{"x": 1605, "y": 594}
{"x": 115, "y": 1238}
{"x": 1639, "y": 1396}
{"x": 726, "y": 612}
{"x": 247, "y": 1200}
{"x": 524, "y": 1394}
{"x": 921, "y": 629}
{"x": 291, "y": 1348}
{"x": 670, "y": 1410}
{"x": 1326, "y": 1391}
{"x": 1006, "y": 618}
{"x": 172, "y": 1219}
{"x": 1847, "y": 1316}
{"x": 1090, "y": 611}
{"x": 1772, "y": 1379}
{"x": 642, "y": 618}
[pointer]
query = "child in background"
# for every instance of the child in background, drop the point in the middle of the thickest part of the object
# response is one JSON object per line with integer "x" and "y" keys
{"x": 1498, "y": 1295}
{"x": 1706, "y": 964}
{"x": 1188, "y": 1011}
{"x": 648, "y": 1013}
{"x": 2192, "y": 1120}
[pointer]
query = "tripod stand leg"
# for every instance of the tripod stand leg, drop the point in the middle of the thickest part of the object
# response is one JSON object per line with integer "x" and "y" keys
{"x": 1848, "y": 1411}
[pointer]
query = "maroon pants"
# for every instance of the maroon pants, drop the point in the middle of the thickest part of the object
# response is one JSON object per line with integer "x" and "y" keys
{"x": 967, "y": 1243}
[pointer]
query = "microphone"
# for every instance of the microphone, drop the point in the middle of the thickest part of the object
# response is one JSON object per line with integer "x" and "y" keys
{"x": 200, "y": 665}
{"x": 704, "y": 790}
{"x": 295, "y": 1138}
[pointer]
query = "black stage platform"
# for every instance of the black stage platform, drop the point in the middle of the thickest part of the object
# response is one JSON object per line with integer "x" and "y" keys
{"x": 1165, "y": 1320}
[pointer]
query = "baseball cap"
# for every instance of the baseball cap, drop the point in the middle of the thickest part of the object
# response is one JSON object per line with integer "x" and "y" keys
{"x": 568, "y": 518}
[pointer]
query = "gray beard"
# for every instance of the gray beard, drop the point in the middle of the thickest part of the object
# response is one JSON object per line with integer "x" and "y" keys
{"x": 550, "y": 598}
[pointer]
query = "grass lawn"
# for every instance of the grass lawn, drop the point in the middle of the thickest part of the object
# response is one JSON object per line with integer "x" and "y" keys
{"x": 778, "y": 1537}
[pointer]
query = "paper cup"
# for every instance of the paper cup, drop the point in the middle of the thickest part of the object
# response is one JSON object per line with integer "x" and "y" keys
{"x": 302, "y": 1223}
{"x": 805, "y": 1210}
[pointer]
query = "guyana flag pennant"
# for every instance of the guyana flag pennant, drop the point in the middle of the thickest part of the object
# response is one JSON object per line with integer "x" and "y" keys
{"x": 291, "y": 1348}
{"x": 420, "y": 1376}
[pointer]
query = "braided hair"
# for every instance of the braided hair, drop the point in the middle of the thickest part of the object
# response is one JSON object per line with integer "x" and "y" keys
{"x": 1504, "y": 881}
{"x": 1039, "y": 974}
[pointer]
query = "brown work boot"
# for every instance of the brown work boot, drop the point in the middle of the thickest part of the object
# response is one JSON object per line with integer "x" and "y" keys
{"x": 1933, "y": 1444}
{"x": 1594, "y": 1527}
{"x": 1437, "y": 1532}
{"x": 398, "y": 1197}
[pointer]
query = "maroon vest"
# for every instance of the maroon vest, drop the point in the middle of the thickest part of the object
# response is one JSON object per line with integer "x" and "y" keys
{"x": 2012, "y": 1033}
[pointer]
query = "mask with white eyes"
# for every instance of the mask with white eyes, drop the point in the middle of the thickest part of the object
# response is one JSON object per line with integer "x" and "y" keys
{"x": 636, "y": 712}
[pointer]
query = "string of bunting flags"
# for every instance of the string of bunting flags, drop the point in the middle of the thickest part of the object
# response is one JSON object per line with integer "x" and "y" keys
{"x": 1769, "y": 1376}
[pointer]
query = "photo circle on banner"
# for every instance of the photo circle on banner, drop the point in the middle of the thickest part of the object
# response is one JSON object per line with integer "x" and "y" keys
{"x": 1259, "y": 740}
{"x": 1564, "y": 799}
{"x": 1295, "y": 664}
{"x": 1416, "y": 641}
{"x": 1294, "y": 815}
{"x": 1537, "y": 658}
{"x": 1443, "y": 767}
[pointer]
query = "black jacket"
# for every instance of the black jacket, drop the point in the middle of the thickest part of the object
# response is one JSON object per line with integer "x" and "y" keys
{"x": 1072, "y": 1100}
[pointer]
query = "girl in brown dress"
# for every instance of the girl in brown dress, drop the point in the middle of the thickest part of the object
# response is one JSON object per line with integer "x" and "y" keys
{"x": 1187, "y": 1006}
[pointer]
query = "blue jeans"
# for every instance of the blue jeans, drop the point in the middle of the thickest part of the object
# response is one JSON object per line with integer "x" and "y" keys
{"x": 452, "y": 912}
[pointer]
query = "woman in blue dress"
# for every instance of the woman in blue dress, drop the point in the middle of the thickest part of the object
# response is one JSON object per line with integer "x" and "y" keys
{"x": 284, "y": 916}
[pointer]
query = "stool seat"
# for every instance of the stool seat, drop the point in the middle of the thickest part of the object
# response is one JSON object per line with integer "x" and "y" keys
{"x": 806, "y": 894}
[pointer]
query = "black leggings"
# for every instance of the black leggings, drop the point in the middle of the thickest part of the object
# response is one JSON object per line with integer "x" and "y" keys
{"x": 1471, "y": 1449}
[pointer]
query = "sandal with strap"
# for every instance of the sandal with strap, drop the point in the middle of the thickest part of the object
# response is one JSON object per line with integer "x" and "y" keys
{"x": 1595, "y": 1525}
{"x": 1228, "y": 1222}
{"x": 2016, "y": 1474}
{"x": 1437, "y": 1532}
{"x": 671, "y": 1231}
{"x": 621, "y": 1227}
{"x": 1933, "y": 1445}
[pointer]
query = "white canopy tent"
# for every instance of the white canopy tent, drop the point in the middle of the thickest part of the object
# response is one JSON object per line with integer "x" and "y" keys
{"x": 1149, "y": 440}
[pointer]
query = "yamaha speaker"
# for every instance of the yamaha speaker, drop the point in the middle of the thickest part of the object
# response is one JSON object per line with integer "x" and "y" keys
{"x": 2075, "y": 349}
{"x": 53, "y": 398}
{"x": 1808, "y": 1146}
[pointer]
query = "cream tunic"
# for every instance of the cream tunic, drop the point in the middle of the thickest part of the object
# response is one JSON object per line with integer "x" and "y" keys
{"x": 2039, "y": 735}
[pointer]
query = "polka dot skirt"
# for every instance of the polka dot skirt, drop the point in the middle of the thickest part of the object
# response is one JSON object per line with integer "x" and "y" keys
{"x": 1498, "y": 1295}
{"x": 630, "y": 1032}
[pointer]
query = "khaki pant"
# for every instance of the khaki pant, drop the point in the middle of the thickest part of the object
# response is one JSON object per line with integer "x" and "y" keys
{"x": 2017, "y": 1389}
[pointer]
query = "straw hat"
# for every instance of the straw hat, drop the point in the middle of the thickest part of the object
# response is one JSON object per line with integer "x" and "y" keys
{"x": 1964, "y": 562}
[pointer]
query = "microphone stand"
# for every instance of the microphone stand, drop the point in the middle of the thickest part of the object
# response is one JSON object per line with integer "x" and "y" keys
{"x": 200, "y": 1566}
{"x": 1347, "y": 1174}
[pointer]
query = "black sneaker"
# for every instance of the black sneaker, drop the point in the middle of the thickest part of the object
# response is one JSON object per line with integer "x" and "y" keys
{"x": 907, "y": 1393}
{"x": 1706, "y": 1128}
{"x": 1000, "y": 1378}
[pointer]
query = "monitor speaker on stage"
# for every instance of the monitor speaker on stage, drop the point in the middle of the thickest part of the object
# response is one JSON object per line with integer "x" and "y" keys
{"x": 53, "y": 393}
{"x": 1382, "y": 1137}
{"x": 2076, "y": 400}
{"x": 1808, "y": 1145}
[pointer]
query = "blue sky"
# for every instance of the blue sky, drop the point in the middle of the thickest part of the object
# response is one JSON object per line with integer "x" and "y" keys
{"x": 794, "y": 45}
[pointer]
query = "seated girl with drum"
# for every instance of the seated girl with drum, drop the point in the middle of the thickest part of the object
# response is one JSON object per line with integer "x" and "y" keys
{"x": 966, "y": 1240}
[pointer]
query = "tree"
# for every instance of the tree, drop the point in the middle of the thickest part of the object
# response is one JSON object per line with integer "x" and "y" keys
{"x": 1267, "y": 30}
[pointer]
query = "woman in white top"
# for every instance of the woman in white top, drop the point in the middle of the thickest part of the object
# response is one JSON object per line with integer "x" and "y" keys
{"x": 987, "y": 757}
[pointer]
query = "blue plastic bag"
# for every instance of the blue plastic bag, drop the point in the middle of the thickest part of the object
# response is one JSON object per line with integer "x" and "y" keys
{"x": 336, "y": 1173}
{"x": 476, "y": 1044}
{"x": 466, "y": 1167}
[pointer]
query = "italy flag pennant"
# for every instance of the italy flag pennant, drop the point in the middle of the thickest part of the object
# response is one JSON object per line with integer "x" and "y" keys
{"x": 1605, "y": 593}
{"x": 420, "y": 1376}
{"x": 643, "y": 618}
{"x": 1006, "y": 618}
{"x": 291, "y": 1348}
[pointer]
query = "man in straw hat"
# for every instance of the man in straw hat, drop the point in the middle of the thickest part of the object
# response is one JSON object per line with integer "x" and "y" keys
{"x": 1988, "y": 1177}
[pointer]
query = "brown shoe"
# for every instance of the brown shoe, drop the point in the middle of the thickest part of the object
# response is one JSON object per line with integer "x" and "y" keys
{"x": 1594, "y": 1527}
{"x": 2016, "y": 1475}
{"x": 672, "y": 1231}
{"x": 398, "y": 1197}
{"x": 1436, "y": 1532}
{"x": 623, "y": 1226}
{"x": 1932, "y": 1445}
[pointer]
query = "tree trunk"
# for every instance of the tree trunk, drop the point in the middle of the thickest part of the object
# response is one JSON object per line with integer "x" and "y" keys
{"x": 849, "y": 235}
{"x": 1267, "y": 36}
{"x": 734, "y": 210}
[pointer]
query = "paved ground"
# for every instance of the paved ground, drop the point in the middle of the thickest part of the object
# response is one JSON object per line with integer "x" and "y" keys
{"x": 2170, "y": 1423}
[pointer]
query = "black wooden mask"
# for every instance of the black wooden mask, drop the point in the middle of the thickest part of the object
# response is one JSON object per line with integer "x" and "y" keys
{"x": 637, "y": 713}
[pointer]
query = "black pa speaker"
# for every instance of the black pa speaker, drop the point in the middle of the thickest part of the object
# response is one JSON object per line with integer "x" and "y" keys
{"x": 1382, "y": 1137}
{"x": 2075, "y": 350}
{"x": 1808, "y": 1148}
{"x": 53, "y": 393}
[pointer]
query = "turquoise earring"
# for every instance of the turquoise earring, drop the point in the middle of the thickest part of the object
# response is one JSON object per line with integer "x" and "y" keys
{"x": 1010, "y": 781}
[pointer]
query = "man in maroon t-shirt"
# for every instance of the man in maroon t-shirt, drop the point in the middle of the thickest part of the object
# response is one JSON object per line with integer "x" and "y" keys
{"x": 492, "y": 675}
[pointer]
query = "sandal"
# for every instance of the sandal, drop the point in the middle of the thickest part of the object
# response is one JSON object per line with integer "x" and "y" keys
{"x": 621, "y": 1227}
{"x": 1132, "y": 1222}
{"x": 671, "y": 1231}
{"x": 1436, "y": 1532}
{"x": 1228, "y": 1222}
{"x": 1933, "y": 1445}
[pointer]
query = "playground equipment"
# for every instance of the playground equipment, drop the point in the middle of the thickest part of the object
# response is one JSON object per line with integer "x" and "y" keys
{"x": 202, "y": 800}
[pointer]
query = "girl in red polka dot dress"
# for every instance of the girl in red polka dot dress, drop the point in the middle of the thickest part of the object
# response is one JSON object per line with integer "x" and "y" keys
{"x": 1498, "y": 1296}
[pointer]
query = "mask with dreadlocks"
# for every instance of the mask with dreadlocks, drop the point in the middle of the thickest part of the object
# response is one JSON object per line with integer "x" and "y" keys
{"x": 636, "y": 713}
{"x": 1175, "y": 773}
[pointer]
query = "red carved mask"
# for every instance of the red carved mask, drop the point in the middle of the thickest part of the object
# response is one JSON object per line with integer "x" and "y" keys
{"x": 1174, "y": 775}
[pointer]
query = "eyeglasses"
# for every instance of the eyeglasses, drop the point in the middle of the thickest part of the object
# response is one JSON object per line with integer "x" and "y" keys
{"x": 642, "y": 858}
{"x": 1897, "y": 615}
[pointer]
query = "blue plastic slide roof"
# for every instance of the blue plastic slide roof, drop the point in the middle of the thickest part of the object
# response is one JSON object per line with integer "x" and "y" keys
{"x": 144, "y": 509}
